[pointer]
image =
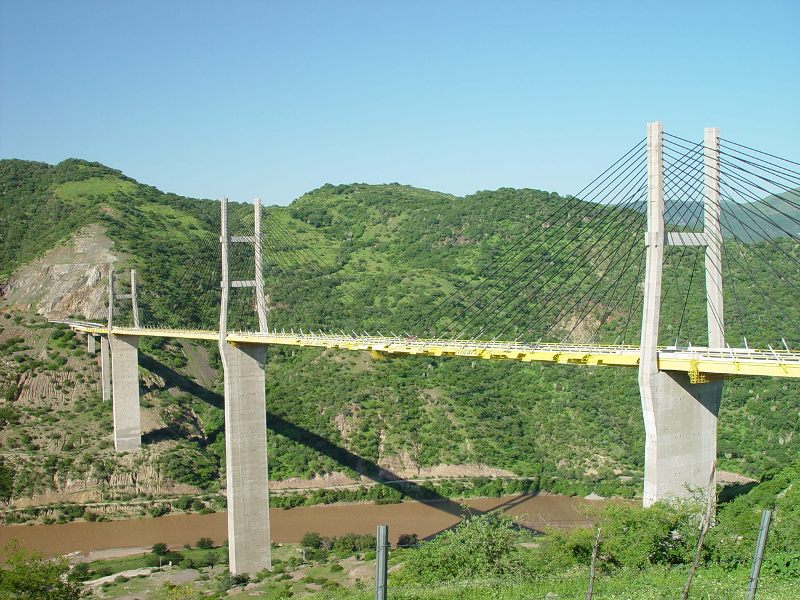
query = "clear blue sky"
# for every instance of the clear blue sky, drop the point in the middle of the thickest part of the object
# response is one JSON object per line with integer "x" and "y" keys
{"x": 273, "y": 99}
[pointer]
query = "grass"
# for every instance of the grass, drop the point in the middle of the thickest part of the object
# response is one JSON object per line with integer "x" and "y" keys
{"x": 177, "y": 219}
{"x": 653, "y": 584}
{"x": 94, "y": 186}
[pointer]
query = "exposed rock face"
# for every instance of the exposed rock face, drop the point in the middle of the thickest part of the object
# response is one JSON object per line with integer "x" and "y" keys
{"x": 69, "y": 279}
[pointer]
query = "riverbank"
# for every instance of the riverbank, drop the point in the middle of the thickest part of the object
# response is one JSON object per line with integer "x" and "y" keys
{"x": 535, "y": 512}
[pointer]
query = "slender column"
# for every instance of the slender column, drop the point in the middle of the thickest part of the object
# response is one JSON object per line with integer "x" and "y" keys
{"x": 134, "y": 301}
{"x": 125, "y": 384}
{"x": 261, "y": 305}
{"x": 713, "y": 237}
{"x": 110, "y": 297}
{"x": 225, "y": 284}
{"x": 654, "y": 240}
{"x": 105, "y": 368}
{"x": 91, "y": 348}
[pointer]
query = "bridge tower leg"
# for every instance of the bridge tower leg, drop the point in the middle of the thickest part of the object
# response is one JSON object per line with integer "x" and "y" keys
{"x": 91, "y": 347}
{"x": 246, "y": 467}
{"x": 680, "y": 417}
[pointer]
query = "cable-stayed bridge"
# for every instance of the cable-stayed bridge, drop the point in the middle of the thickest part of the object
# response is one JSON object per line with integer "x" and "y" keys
{"x": 629, "y": 272}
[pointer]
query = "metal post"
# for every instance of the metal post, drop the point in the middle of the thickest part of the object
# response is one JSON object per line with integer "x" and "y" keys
{"x": 134, "y": 302}
{"x": 381, "y": 561}
{"x": 261, "y": 305}
{"x": 224, "y": 238}
{"x": 110, "y": 297}
{"x": 713, "y": 239}
{"x": 752, "y": 584}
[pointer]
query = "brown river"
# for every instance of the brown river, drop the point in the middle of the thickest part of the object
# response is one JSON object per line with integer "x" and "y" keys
{"x": 422, "y": 518}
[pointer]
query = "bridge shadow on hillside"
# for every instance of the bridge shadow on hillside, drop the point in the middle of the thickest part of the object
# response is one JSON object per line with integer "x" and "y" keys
{"x": 362, "y": 466}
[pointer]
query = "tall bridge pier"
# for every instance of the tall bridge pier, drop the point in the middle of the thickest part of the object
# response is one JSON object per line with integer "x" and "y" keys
{"x": 245, "y": 418}
{"x": 680, "y": 415}
{"x": 119, "y": 367}
{"x": 125, "y": 392}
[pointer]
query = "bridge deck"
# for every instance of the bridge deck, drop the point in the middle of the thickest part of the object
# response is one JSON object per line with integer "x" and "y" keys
{"x": 700, "y": 363}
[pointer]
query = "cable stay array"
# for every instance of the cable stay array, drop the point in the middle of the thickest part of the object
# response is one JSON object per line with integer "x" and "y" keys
{"x": 573, "y": 276}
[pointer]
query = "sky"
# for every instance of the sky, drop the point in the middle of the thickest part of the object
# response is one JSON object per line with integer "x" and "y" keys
{"x": 273, "y": 99}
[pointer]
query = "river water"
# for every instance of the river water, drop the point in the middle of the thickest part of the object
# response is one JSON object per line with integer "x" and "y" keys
{"x": 287, "y": 526}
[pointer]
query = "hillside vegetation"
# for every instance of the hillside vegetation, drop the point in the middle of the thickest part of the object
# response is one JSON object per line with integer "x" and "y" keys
{"x": 364, "y": 257}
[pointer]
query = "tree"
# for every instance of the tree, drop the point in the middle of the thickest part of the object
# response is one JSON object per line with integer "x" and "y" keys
{"x": 30, "y": 576}
{"x": 205, "y": 543}
{"x": 312, "y": 539}
{"x": 160, "y": 549}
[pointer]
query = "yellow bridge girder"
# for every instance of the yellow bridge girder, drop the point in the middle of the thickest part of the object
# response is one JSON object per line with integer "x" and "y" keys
{"x": 702, "y": 364}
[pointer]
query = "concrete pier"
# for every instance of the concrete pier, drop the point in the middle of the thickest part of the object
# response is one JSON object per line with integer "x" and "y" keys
{"x": 105, "y": 368}
{"x": 91, "y": 348}
{"x": 680, "y": 422}
{"x": 125, "y": 386}
{"x": 246, "y": 458}
{"x": 680, "y": 418}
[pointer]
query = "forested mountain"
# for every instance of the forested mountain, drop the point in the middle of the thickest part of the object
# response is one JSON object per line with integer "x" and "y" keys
{"x": 365, "y": 257}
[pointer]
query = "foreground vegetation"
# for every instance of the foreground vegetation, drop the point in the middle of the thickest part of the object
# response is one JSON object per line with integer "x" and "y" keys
{"x": 642, "y": 554}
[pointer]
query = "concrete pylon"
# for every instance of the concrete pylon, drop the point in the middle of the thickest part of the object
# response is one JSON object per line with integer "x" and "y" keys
{"x": 249, "y": 549}
{"x": 246, "y": 458}
{"x": 91, "y": 347}
{"x": 105, "y": 368}
{"x": 125, "y": 386}
{"x": 680, "y": 417}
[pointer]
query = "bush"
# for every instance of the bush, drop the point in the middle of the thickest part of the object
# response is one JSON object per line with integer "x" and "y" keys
{"x": 79, "y": 572}
{"x": 160, "y": 549}
{"x": 312, "y": 539}
{"x": 408, "y": 540}
{"x": 205, "y": 543}
{"x": 483, "y": 546}
{"x": 159, "y": 511}
{"x": 783, "y": 564}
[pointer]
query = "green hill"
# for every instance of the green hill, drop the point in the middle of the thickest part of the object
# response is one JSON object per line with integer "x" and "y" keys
{"x": 374, "y": 257}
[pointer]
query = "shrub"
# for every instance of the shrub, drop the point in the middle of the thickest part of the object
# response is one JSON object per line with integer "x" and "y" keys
{"x": 205, "y": 543}
{"x": 312, "y": 539}
{"x": 159, "y": 511}
{"x": 408, "y": 540}
{"x": 79, "y": 572}
{"x": 481, "y": 546}
{"x": 160, "y": 549}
